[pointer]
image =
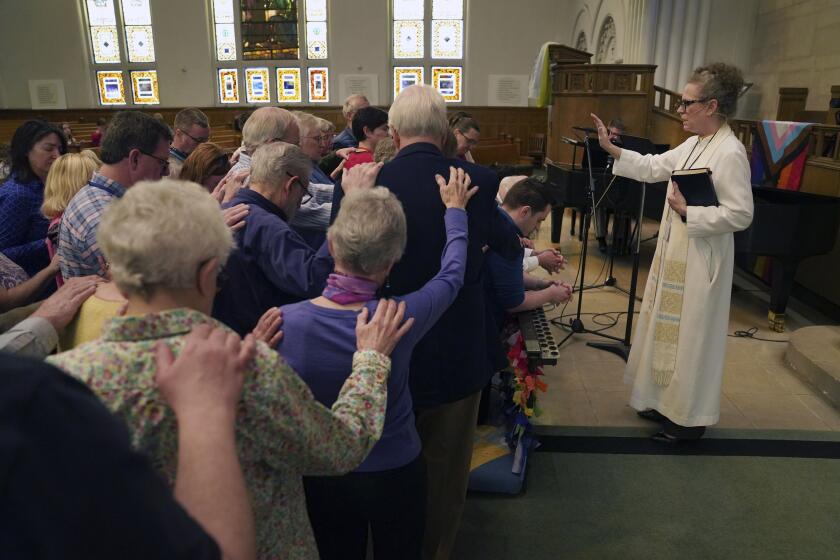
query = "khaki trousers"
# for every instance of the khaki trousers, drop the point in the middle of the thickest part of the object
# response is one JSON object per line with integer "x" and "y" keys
{"x": 447, "y": 434}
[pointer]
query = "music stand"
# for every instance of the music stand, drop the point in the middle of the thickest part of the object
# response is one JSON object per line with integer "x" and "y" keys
{"x": 643, "y": 146}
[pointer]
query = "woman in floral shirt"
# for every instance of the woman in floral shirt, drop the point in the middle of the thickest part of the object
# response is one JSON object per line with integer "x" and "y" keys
{"x": 165, "y": 243}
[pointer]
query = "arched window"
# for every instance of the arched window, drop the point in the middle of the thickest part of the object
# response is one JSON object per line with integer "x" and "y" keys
{"x": 261, "y": 42}
{"x": 581, "y": 41}
{"x": 122, "y": 44}
{"x": 442, "y": 59}
{"x": 606, "y": 42}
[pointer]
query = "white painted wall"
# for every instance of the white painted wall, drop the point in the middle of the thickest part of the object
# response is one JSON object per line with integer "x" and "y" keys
{"x": 49, "y": 41}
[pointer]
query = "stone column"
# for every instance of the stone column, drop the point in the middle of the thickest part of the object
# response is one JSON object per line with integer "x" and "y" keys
{"x": 663, "y": 39}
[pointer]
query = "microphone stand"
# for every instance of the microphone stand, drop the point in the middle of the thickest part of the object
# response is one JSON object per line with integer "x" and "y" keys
{"x": 576, "y": 324}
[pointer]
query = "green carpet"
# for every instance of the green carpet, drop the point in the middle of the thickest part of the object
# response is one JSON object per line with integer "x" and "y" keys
{"x": 626, "y": 506}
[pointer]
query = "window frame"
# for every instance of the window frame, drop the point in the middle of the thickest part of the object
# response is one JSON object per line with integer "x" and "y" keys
{"x": 303, "y": 63}
{"x": 124, "y": 67}
{"x": 427, "y": 63}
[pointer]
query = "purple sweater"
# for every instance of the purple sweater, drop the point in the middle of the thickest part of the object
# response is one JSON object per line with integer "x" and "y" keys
{"x": 319, "y": 342}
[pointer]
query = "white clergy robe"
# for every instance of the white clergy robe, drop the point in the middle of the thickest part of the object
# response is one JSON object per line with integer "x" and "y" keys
{"x": 692, "y": 396}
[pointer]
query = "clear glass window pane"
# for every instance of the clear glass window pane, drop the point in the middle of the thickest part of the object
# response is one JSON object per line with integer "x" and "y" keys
{"x": 269, "y": 33}
{"x": 319, "y": 85}
{"x": 405, "y": 76}
{"x": 447, "y": 80}
{"x": 447, "y": 9}
{"x": 316, "y": 10}
{"x": 141, "y": 47}
{"x": 136, "y": 12}
{"x": 111, "y": 88}
{"x": 447, "y": 39}
{"x": 228, "y": 85}
{"x": 288, "y": 85}
{"x": 408, "y": 39}
{"x": 225, "y": 42}
{"x": 144, "y": 85}
{"x": 316, "y": 39}
{"x": 106, "y": 46}
{"x": 223, "y": 11}
{"x": 101, "y": 12}
{"x": 257, "y": 89}
{"x": 408, "y": 9}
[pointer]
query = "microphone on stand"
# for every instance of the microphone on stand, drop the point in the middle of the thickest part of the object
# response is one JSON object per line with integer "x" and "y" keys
{"x": 585, "y": 129}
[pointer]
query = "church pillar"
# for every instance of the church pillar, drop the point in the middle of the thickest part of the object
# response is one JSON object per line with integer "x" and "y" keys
{"x": 672, "y": 75}
{"x": 689, "y": 36}
{"x": 702, "y": 34}
{"x": 663, "y": 39}
{"x": 650, "y": 31}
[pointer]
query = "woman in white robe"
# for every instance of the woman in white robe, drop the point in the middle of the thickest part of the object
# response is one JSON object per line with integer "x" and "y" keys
{"x": 677, "y": 358}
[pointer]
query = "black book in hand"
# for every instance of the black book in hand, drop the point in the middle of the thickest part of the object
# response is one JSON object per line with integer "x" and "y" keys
{"x": 696, "y": 186}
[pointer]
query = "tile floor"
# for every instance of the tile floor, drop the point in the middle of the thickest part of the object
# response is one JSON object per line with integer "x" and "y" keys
{"x": 586, "y": 387}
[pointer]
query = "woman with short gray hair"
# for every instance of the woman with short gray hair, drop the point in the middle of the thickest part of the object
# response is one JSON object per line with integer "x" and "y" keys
{"x": 387, "y": 492}
{"x": 166, "y": 243}
{"x": 677, "y": 359}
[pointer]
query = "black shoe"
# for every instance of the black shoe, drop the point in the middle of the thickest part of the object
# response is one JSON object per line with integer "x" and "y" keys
{"x": 653, "y": 415}
{"x": 666, "y": 438}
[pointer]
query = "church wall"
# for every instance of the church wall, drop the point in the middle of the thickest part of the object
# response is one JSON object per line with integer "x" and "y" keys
{"x": 49, "y": 41}
{"x": 795, "y": 45}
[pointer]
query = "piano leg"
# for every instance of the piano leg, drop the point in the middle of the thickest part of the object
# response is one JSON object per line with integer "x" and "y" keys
{"x": 783, "y": 273}
{"x": 556, "y": 222}
{"x": 574, "y": 219}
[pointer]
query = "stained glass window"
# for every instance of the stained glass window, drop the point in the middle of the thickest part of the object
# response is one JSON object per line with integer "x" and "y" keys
{"x": 269, "y": 30}
{"x": 447, "y": 9}
{"x": 136, "y": 12}
{"x": 447, "y": 80}
{"x": 141, "y": 47}
{"x": 288, "y": 85}
{"x": 319, "y": 85}
{"x": 257, "y": 89}
{"x": 446, "y": 38}
{"x": 106, "y": 46}
{"x": 144, "y": 85}
{"x": 101, "y": 12}
{"x": 132, "y": 19}
{"x": 443, "y": 28}
{"x": 405, "y": 76}
{"x": 408, "y": 9}
{"x": 111, "y": 87}
{"x": 229, "y": 85}
{"x": 408, "y": 39}
{"x": 266, "y": 30}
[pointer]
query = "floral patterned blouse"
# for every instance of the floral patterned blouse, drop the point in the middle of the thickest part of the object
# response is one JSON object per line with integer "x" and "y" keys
{"x": 282, "y": 431}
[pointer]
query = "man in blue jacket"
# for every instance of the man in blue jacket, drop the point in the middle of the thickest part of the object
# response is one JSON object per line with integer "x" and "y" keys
{"x": 448, "y": 366}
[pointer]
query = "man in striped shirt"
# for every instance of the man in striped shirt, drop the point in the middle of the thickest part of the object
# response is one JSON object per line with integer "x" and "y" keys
{"x": 135, "y": 148}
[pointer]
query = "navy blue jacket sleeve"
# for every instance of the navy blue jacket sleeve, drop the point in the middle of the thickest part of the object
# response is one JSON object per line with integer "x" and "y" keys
{"x": 290, "y": 263}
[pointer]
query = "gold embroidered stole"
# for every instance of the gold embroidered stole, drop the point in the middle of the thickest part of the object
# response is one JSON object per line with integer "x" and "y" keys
{"x": 668, "y": 274}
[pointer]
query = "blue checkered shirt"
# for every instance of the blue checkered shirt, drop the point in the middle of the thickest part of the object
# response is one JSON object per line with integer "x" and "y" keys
{"x": 78, "y": 251}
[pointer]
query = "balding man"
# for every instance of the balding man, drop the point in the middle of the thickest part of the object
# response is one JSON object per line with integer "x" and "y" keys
{"x": 449, "y": 366}
{"x": 264, "y": 126}
{"x": 352, "y": 104}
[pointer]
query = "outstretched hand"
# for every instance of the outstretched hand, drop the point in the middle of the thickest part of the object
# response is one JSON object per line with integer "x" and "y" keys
{"x": 456, "y": 192}
{"x": 385, "y": 330}
{"x": 268, "y": 327}
{"x": 604, "y": 138}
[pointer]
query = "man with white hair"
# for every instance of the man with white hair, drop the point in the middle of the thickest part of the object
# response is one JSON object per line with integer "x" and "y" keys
{"x": 272, "y": 264}
{"x": 352, "y": 104}
{"x": 449, "y": 366}
{"x": 264, "y": 126}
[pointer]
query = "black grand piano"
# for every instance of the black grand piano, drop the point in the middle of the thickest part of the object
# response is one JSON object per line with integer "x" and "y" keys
{"x": 787, "y": 226}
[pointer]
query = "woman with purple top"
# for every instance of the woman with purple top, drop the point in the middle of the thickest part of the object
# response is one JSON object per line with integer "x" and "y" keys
{"x": 387, "y": 492}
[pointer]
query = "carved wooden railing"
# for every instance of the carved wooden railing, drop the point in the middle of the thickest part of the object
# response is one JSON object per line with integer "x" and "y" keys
{"x": 603, "y": 78}
{"x": 666, "y": 101}
{"x": 825, "y": 139}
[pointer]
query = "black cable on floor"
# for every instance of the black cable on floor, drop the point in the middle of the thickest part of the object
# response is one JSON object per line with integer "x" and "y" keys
{"x": 750, "y": 333}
